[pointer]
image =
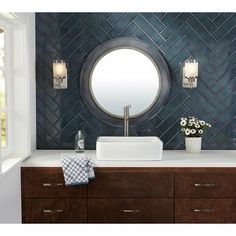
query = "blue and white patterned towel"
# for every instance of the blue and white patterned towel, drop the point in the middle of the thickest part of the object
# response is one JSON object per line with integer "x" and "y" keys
{"x": 77, "y": 169}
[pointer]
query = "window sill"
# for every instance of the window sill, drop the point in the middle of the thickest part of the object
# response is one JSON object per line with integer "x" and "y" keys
{"x": 10, "y": 161}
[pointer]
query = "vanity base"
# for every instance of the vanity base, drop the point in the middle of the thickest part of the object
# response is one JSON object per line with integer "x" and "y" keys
{"x": 131, "y": 195}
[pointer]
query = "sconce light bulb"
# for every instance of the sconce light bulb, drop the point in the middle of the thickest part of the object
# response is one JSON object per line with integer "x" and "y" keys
{"x": 59, "y": 69}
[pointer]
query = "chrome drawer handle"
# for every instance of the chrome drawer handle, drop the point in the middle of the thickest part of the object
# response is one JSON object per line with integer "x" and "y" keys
{"x": 204, "y": 210}
{"x": 52, "y": 184}
{"x": 52, "y": 211}
{"x": 130, "y": 210}
{"x": 204, "y": 185}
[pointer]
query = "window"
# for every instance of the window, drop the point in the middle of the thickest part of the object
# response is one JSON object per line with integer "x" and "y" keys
{"x": 2, "y": 91}
{"x": 17, "y": 84}
{"x": 4, "y": 114}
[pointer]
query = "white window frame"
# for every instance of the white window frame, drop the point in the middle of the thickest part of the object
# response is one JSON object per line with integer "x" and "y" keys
{"x": 8, "y": 46}
{"x": 22, "y": 86}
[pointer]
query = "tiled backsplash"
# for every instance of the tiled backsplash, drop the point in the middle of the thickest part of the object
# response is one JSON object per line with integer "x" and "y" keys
{"x": 208, "y": 37}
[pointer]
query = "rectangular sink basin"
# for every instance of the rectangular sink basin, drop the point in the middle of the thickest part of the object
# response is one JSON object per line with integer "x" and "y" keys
{"x": 129, "y": 148}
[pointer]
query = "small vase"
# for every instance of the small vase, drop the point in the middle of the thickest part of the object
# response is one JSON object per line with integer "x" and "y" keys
{"x": 193, "y": 145}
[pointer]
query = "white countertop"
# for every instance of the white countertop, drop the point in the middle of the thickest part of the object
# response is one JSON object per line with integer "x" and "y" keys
{"x": 210, "y": 158}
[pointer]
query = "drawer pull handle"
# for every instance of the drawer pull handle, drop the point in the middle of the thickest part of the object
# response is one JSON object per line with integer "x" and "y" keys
{"x": 52, "y": 211}
{"x": 204, "y": 210}
{"x": 130, "y": 210}
{"x": 204, "y": 185}
{"x": 52, "y": 184}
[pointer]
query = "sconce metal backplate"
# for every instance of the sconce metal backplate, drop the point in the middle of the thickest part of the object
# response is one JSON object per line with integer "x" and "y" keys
{"x": 186, "y": 81}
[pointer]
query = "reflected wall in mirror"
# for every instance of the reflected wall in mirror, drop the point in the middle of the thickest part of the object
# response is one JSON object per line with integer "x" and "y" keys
{"x": 125, "y": 71}
{"x": 125, "y": 76}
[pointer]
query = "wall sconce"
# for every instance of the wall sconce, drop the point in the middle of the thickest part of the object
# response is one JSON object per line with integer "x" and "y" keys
{"x": 59, "y": 74}
{"x": 190, "y": 73}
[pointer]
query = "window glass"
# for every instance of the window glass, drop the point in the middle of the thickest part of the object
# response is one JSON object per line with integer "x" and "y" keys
{"x": 3, "y": 114}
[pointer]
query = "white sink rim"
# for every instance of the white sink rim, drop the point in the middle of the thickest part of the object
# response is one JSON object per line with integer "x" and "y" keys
{"x": 129, "y": 139}
{"x": 138, "y": 148}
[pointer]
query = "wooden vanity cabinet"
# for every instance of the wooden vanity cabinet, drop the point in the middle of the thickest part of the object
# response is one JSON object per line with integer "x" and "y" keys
{"x": 205, "y": 195}
{"x": 131, "y": 195}
{"x": 118, "y": 195}
{"x": 55, "y": 210}
{"x": 46, "y": 199}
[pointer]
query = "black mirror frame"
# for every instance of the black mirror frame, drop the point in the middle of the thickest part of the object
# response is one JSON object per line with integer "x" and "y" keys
{"x": 102, "y": 50}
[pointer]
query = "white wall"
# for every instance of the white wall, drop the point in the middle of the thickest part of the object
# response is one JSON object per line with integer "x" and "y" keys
{"x": 10, "y": 196}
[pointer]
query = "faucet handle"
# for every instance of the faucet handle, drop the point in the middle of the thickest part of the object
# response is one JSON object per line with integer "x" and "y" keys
{"x": 128, "y": 106}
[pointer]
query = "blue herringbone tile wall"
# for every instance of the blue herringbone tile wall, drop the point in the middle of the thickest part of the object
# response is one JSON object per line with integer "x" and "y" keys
{"x": 208, "y": 37}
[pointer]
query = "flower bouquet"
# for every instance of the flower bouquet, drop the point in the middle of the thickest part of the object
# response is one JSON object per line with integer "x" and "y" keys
{"x": 193, "y": 129}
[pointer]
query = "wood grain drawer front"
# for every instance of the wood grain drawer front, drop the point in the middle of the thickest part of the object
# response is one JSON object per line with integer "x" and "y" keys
{"x": 189, "y": 210}
{"x": 204, "y": 185}
{"x": 131, "y": 184}
{"x": 55, "y": 211}
{"x": 128, "y": 210}
{"x": 48, "y": 182}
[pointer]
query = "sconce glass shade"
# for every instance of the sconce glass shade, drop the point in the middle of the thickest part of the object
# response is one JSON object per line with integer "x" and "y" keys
{"x": 59, "y": 74}
{"x": 190, "y": 73}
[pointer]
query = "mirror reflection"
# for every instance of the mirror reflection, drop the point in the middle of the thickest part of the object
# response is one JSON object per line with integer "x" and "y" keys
{"x": 125, "y": 76}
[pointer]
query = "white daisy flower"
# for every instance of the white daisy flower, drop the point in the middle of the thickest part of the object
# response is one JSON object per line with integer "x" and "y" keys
{"x": 200, "y": 131}
{"x": 193, "y": 131}
{"x": 197, "y": 126}
{"x": 184, "y": 118}
{"x": 183, "y": 123}
{"x": 208, "y": 125}
{"x": 190, "y": 124}
{"x": 187, "y": 132}
{"x": 183, "y": 129}
{"x": 202, "y": 122}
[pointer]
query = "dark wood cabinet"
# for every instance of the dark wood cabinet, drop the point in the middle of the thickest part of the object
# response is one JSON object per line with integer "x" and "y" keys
{"x": 132, "y": 182}
{"x": 48, "y": 182}
{"x": 130, "y": 210}
{"x": 55, "y": 211}
{"x": 205, "y": 195}
{"x": 205, "y": 185}
{"x": 190, "y": 210}
{"x": 131, "y": 195}
{"x": 46, "y": 199}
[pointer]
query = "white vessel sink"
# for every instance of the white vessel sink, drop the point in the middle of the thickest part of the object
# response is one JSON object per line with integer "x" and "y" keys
{"x": 129, "y": 148}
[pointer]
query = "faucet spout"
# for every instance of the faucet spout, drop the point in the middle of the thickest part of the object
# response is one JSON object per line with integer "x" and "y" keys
{"x": 126, "y": 120}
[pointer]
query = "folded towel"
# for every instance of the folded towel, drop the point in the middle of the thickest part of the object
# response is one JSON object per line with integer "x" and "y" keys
{"x": 77, "y": 169}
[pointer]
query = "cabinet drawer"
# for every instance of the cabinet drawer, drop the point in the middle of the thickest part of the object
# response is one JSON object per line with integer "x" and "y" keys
{"x": 54, "y": 211}
{"x": 128, "y": 210}
{"x": 203, "y": 185}
{"x": 48, "y": 182}
{"x": 205, "y": 210}
{"x": 131, "y": 182}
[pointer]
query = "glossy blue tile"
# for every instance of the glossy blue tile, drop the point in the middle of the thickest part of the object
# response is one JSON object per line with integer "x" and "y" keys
{"x": 205, "y": 22}
{"x": 175, "y": 24}
{"x": 221, "y": 18}
{"x": 153, "y": 21}
{"x": 226, "y": 40}
{"x": 148, "y": 29}
{"x": 208, "y": 37}
{"x": 225, "y": 26}
{"x": 168, "y": 18}
{"x": 122, "y": 23}
{"x": 212, "y": 15}
{"x": 202, "y": 32}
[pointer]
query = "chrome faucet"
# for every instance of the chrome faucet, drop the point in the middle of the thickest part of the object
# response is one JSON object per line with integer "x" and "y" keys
{"x": 126, "y": 120}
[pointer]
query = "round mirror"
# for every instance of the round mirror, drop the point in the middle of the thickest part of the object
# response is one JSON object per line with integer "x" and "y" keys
{"x": 124, "y": 83}
{"x": 125, "y": 71}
